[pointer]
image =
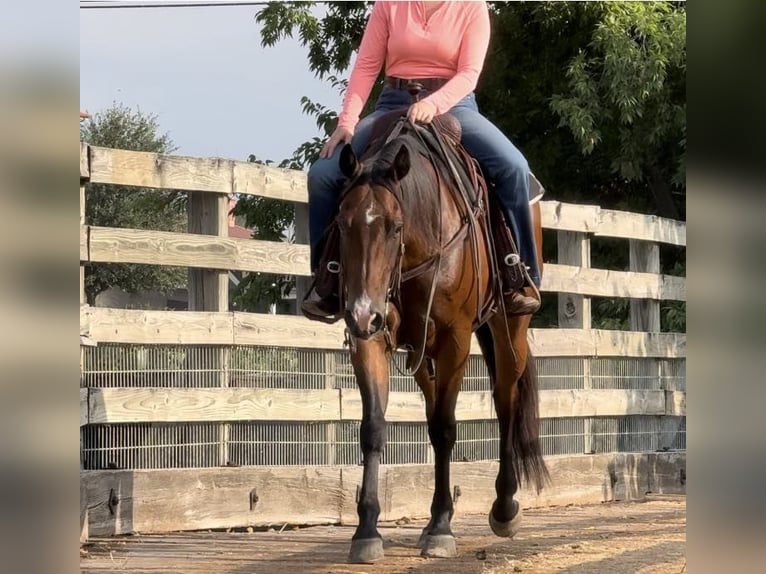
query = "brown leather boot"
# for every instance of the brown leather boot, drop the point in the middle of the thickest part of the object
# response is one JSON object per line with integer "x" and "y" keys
{"x": 324, "y": 309}
{"x": 322, "y": 302}
{"x": 519, "y": 303}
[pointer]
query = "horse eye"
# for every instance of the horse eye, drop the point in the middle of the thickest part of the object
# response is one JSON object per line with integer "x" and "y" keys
{"x": 396, "y": 227}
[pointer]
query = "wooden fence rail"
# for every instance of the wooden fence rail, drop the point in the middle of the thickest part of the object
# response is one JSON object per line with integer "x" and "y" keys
{"x": 141, "y": 405}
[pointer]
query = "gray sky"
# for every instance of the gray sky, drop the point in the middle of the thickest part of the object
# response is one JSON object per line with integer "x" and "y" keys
{"x": 203, "y": 72}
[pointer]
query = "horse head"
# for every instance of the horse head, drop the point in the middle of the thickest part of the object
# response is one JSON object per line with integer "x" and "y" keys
{"x": 371, "y": 225}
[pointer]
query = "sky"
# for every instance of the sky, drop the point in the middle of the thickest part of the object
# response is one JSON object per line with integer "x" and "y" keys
{"x": 204, "y": 74}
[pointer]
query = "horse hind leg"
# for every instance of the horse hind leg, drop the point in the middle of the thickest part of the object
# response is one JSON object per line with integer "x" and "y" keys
{"x": 514, "y": 387}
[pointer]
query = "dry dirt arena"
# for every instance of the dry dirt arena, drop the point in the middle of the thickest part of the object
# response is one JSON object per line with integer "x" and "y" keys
{"x": 632, "y": 537}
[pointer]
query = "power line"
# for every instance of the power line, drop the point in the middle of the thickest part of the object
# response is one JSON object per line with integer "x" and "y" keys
{"x": 102, "y": 5}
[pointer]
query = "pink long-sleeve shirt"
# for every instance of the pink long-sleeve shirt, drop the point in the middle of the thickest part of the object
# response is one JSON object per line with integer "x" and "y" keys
{"x": 451, "y": 44}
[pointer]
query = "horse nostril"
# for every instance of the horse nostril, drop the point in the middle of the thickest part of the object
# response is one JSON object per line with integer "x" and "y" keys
{"x": 377, "y": 323}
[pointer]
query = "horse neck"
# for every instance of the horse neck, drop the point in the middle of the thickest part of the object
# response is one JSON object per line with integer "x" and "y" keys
{"x": 429, "y": 213}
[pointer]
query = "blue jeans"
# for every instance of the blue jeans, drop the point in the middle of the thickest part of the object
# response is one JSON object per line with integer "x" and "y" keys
{"x": 502, "y": 163}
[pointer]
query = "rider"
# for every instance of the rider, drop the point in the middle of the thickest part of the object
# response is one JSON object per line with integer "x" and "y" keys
{"x": 442, "y": 45}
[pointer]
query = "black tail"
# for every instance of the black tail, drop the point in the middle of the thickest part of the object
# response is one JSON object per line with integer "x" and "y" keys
{"x": 525, "y": 430}
{"x": 528, "y": 463}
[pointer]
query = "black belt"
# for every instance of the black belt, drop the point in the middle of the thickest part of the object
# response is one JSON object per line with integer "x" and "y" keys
{"x": 429, "y": 84}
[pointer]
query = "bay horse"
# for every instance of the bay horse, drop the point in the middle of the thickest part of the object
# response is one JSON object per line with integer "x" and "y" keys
{"x": 414, "y": 275}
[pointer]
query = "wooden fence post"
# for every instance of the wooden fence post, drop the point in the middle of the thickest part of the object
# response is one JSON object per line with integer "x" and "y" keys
{"x": 209, "y": 288}
{"x": 302, "y": 284}
{"x": 644, "y": 314}
{"x": 575, "y": 310}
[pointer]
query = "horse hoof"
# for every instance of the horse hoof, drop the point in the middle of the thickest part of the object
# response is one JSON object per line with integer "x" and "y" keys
{"x": 422, "y": 539}
{"x": 365, "y": 551}
{"x": 439, "y": 546}
{"x": 506, "y": 529}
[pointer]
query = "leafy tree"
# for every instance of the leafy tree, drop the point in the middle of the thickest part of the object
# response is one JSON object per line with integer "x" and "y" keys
{"x": 115, "y": 206}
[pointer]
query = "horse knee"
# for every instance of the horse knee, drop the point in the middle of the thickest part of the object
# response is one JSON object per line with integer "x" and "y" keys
{"x": 373, "y": 434}
{"x": 443, "y": 433}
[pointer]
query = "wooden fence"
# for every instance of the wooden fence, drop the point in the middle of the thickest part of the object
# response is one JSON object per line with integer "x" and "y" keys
{"x": 127, "y": 500}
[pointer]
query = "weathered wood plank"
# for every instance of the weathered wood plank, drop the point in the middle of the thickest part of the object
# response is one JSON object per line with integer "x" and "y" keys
{"x": 172, "y": 172}
{"x": 198, "y": 251}
{"x": 286, "y": 331}
{"x": 612, "y": 223}
{"x": 632, "y": 344}
{"x": 181, "y": 173}
{"x": 645, "y": 258}
{"x": 600, "y": 403}
{"x": 272, "y": 182}
{"x": 129, "y": 405}
{"x": 569, "y": 216}
{"x": 83, "y": 407}
{"x": 84, "y": 163}
{"x": 209, "y": 252}
{"x": 675, "y": 403}
{"x": 134, "y": 405}
{"x": 207, "y": 215}
{"x": 156, "y": 327}
{"x": 167, "y": 327}
{"x": 411, "y": 407}
{"x": 574, "y": 310}
{"x": 608, "y": 283}
{"x": 84, "y": 243}
{"x": 152, "y": 501}
{"x": 190, "y": 499}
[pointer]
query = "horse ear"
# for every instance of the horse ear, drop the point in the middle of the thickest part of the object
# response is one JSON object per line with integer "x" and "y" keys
{"x": 349, "y": 165}
{"x": 401, "y": 165}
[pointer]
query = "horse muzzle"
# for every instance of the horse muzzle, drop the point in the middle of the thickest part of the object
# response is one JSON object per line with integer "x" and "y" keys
{"x": 364, "y": 320}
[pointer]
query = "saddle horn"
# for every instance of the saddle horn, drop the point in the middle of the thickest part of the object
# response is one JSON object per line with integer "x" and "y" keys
{"x": 414, "y": 88}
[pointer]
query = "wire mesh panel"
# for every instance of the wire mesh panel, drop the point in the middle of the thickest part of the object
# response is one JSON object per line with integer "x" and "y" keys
{"x": 554, "y": 373}
{"x": 673, "y": 374}
{"x": 625, "y": 373}
{"x": 150, "y": 446}
{"x": 279, "y": 444}
{"x": 277, "y": 367}
{"x": 672, "y": 433}
{"x": 638, "y": 433}
{"x": 562, "y": 436}
{"x": 185, "y": 366}
{"x": 477, "y": 440}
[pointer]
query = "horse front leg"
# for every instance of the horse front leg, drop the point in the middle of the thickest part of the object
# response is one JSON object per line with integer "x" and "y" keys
{"x": 442, "y": 430}
{"x": 370, "y": 362}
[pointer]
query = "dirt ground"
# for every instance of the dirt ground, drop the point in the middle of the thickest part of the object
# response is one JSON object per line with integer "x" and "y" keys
{"x": 626, "y": 538}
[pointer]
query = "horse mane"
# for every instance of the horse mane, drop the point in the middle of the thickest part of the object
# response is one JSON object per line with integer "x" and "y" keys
{"x": 418, "y": 192}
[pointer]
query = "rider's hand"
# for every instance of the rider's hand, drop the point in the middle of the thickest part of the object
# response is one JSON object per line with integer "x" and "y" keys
{"x": 422, "y": 112}
{"x": 339, "y": 136}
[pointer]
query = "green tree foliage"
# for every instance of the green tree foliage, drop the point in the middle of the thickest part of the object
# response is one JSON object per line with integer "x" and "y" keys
{"x": 128, "y": 207}
{"x": 593, "y": 93}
